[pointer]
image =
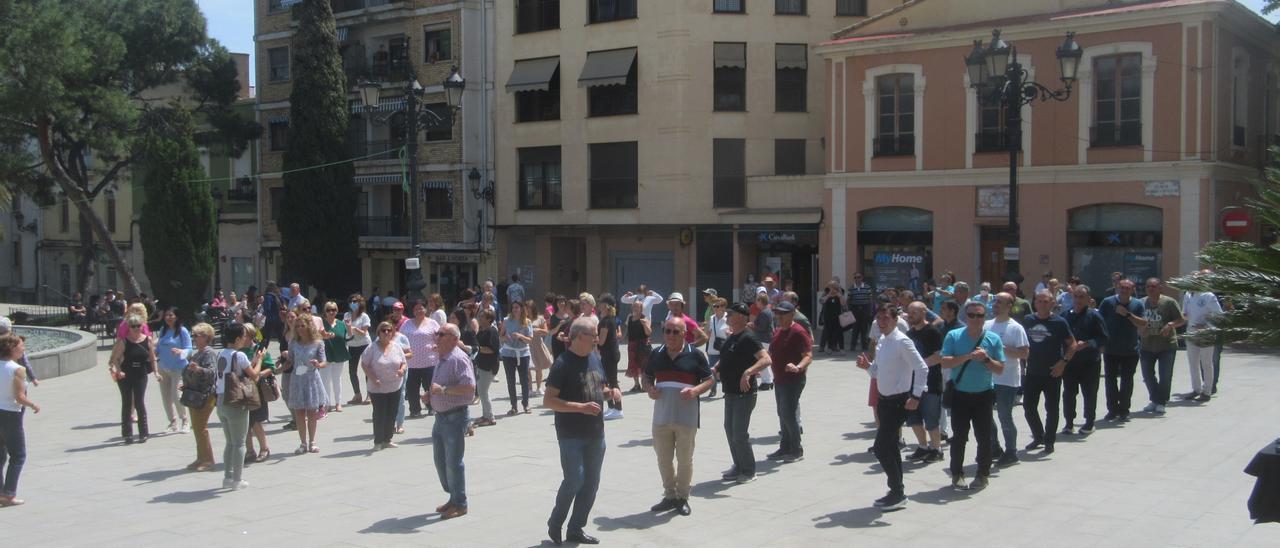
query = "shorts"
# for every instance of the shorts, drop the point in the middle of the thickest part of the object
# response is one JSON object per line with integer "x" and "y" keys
{"x": 928, "y": 412}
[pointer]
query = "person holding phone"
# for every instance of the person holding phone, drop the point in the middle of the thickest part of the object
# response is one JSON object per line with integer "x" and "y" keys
{"x": 306, "y": 389}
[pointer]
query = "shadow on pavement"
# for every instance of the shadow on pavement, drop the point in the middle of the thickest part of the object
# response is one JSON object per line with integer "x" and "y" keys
{"x": 187, "y": 497}
{"x": 861, "y": 518}
{"x": 96, "y": 426}
{"x": 941, "y": 495}
{"x": 641, "y": 520}
{"x": 157, "y": 475}
{"x": 861, "y": 457}
{"x": 864, "y": 435}
{"x": 361, "y": 437}
{"x": 402, "y": 526}
{"x": 102, "y": 445}
{"x": 767, "y": 440}
{"x": 352, "y": 453}
{"x": 646, "y": 442}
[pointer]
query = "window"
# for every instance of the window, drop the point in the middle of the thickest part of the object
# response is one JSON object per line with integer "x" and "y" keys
{"x": 788, "y": 157}
{"x": 438, "y": 196}
{"x": 729, "y": 6}
{"x": 111, "y": 276}
{"x": 730, "y": 65}
{"x": 991, "y": 130}
{"x": 614, "y": 168}
{"x": 276, "y": 6}
{"x": 851, "y": 8}
{"x": 242, "y": 273}
{"x": 1118, "y": 100}
{"x": 601, "y": 11}
{"x": 728, "y": 166}
{"x": 279, "y": 63}
{"x": 536, "y": 15}
{"x": 788, "y": 7}
{"x": 438, "y": 43}
{"x": 540, "y": 178}
{"x": 540, "y": 105}
{"x": 64, "y": 215}
{"x": 279, "y": 134}
{"x": 895, "y": 132}
{"x": 791, "y": 70}
{"x": 111, "y": 211}
{"x": 277, "y": 201}
{"x": 612, "y": 100}
{"x": 440, "y": 126}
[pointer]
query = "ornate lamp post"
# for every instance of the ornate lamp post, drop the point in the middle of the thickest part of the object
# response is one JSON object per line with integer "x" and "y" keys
{"x": 999, "y": 78}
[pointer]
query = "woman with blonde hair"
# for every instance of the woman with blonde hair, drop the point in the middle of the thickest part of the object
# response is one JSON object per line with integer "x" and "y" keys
{"x": 306, "y": 389}
{"x": 200, "y": 376}
{"x": 132, "y": 359}
{"x": 516, "y": 334}
{"x": 135, "y": 309}
{"x": 435, "y": 304}
{"x": 335, "y": 350}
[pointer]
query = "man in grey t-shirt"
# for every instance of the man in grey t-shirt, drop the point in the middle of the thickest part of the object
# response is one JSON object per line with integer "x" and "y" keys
{"x": 675, "y": 376}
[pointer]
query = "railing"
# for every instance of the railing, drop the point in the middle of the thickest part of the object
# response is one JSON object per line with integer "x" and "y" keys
{"x": 1116, "y": 134}
{"x": 379, "y": 150}
{"x": 395, "y": 70}
{"x": 992, "y": 141}
{"x": 894, "y": 145}
{"x": 393, "y": 226}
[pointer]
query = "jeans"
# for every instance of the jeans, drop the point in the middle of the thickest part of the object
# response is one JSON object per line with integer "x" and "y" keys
{"x": 448, "y": 437}
{"x": 1005, "y": 397}
{"x": 1200, "y": 364}
{"x": 133, "y": 397}
{"x": 235, "y": 426}
{"x": 169, "y": 381}
{"x": 737, "y": 425}
{"x": 200, "y": 429}
{"x": 1081, "y": 377}
{"x": 893, "y": 414}
{"x": 13, "y": 450}
{"x": 1051, "y": 389}
{"x": 512, "y": 365}
{"x": 580, "y": 460}
{"x": 1119, "y": 385}
{"x": 787, "y": 397}
{"x": 353, "y": 368}
{"x": 417, "y": 381}
{"x": 384, "y": 415}
{"x": 675, "y": 442}
{"x": 970, "y": 409}
{"x": 1158, "y": 387}
{"x": 484, "y": 380}
{"x": 929, "y": 412}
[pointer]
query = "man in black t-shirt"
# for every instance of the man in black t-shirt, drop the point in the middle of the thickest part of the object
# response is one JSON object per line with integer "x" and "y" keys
{"x": 741, "y": 358}
{"x": 928, "y": 415}
{"x": 576, "y": 390}
{"x": 1052, "y": 346}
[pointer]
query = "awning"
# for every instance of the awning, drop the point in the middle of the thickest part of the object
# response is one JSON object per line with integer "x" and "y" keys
{"x": 379, "y": 179}
{"x": 607, "y": 68}
{"x": 730, "y": 55}
{"x": 438, "y": 185}
{"x": 342, "y": 34}
{"x": 533, "y": 74}
{"x": 792, "y": 56}
{"x": 385, "y": 105}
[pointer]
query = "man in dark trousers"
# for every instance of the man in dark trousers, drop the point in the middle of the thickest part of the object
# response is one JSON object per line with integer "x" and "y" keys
{"x": 1052, "y": 347}
{"x": 1090, "y": 331}
{"x": 1121, "y": 312}
{"x": 901, "y": 376}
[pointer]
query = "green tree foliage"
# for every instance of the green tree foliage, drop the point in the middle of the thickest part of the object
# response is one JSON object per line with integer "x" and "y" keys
{"x": 317, "y": 221}
{"x": 179, "y": 227}
{"x": 1247, "y": 274}
{"x": 76, "y": 77}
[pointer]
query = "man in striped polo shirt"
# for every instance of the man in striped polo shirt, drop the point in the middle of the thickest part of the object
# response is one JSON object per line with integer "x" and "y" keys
{"x": 676, "y": 374}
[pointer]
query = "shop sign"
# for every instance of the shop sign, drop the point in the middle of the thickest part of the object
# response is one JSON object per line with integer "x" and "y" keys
{"x": 1139, "y": 266}
{"x": 452, "y": 257}
{"x": 766, "y": 237}
{"x": 1162, "y": 189}
{"x": 993, "y": 201}
{"x": 895, "y": 268}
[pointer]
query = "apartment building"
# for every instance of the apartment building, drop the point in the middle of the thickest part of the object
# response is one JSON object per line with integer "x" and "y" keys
{"x": 388, "y": 42}
{"x": 1167, "y": 124}
{"x": 678, "y": 144}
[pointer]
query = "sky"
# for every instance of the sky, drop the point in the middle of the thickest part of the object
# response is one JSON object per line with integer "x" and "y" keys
{"x": 231, "y": 22}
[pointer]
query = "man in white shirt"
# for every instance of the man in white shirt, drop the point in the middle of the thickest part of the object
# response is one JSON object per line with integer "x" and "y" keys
{"x": 647, "y": 296}
{"x": 900, "y": 375}
{"x": 1016, "y": 347}
{"x": 1197, "y": 309}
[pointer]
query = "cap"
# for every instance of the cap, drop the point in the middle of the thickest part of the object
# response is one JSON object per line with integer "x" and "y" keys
{"x": 739, "y": 308}
{"x": 677, "y": 297}
{"x": 5, "y": 325}
{"x": 784, "y": 307}
{"x": 710, "y": 291}
{"x": 961, "y": 286}
{"x": 767, "y": 279}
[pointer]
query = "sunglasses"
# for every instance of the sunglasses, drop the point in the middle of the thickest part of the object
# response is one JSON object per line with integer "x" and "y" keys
{"x": 134, "y": 325}
{"x": 385, "y": 331}
{"x": 673, "y": 332}
{"x": 976, "y": 315}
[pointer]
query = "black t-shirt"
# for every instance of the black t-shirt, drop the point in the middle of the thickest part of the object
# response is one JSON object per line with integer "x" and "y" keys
{"x": 1048, "y": 339}
{"x": 560, "y": 325}
{"x": 487, "y": 337}
{"x": 579, "y": 379}
{"x": 928, "y": 340}
{"x": 737, "y": 354}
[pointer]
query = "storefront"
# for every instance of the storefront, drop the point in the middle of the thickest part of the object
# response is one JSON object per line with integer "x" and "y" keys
{"x": 1106, "y": 238}
{"x": 895, "y": 247}
{"x": 450, "y": 273}
{"x": 788, "y": 254}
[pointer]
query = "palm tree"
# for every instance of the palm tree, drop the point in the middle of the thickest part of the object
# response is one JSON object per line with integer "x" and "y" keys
{"x": 1246, "y": 273}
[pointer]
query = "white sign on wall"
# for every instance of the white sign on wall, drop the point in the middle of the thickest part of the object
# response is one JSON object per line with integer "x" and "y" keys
{"x": 1162, "y": 189}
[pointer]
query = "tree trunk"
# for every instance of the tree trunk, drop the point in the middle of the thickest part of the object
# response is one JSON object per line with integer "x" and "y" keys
{"x": 80, "y": 199}
{"x": 88, "y": 258}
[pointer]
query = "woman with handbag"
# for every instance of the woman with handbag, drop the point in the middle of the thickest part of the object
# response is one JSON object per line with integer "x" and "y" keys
{"x": 610, "y": 355}
{"x": 268, "y": 391}
{"x": 198, "y": 393}
{"x": 131, "y": 361}
{"x": 358, "y": 325}
{"x": 234, "y": 393}
{"x": 306, "y": 390}
{"x": 832, "y": 327}
{"x": 384, "y": 366}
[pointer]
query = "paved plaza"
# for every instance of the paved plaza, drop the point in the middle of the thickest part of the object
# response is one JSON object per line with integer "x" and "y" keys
{"x": 1171, "y": 481}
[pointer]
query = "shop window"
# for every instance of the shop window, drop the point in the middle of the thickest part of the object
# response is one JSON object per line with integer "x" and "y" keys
{"x": 614, "y": 175}
{"x": 895, "y": 246}
{"x": 729, "y": 180}
{"x": 895, "y": 130}
{"x": 791, "y": 73}
{"x": 540, "y": 177}
{"x": 1117, "y": 105}
{"x": 1106, "y": 238}
{"x": 730, "y": 67}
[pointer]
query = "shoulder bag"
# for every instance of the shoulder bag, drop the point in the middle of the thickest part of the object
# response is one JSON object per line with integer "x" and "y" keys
{"x": 949, "y": 394}
{"x": 238, "y": 389}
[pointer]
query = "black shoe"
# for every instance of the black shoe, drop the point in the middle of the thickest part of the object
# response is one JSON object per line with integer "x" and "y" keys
{"x": 291, "y": 426}
{"x": 979, "y": 483}
{"x": 1202, "y": 398}
{"x": 1035, "y": 444}
{"x": 582, "y": 538}
{"x": 1123, "y": 418}
{"x": 777, "y": 455}
{"x": 1188, "y": 396}
{"x": 920, "y": 453}
{"x": 1009, "y": 459}
{"x": 935, "y": 455}
{"x": 1048, "y": 449}
{"x": 128, "y": 440}
{"x": 415, "y": 414}
{"x": 730, "y": 475}
{"x": 554, "y": 534}
{"x": 143, "y": 438}
{"x": 997, "y": 453}
{"x": 249, "y": 456}
{"x": 1068, "y": 430}
{"x": 1110, "y": 417}
{"x": 682, "y": 507}
{"x": 794, "y": 457}
{"x": 666, "y": 504}
{"x": 1087, "y": 428}
{"x": 891, "y": 502}
{"x": 1214, "y": 391}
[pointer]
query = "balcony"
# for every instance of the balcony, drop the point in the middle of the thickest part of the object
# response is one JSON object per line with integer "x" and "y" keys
{"x": 903, "y": 144}
{"x": 374, "y": 149}
{"x": 391, "y": 226}
{"x": 394, "y": 70}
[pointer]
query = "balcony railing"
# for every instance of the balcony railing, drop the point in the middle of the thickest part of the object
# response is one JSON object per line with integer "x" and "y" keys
{"x": 390, "y": 226}
{"x": 1115, "y": 134}
{"x": 377, "y": 150}
{"x": 395, "y": 70}
{"x": 992, "y": 141}
{"x": 894, "y": 145}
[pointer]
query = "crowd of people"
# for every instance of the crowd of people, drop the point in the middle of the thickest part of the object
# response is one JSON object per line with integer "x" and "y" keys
{"x": 945, "y": 363}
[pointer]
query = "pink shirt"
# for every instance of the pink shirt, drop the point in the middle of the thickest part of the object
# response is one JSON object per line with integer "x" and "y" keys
{"x": 422, "y": 341}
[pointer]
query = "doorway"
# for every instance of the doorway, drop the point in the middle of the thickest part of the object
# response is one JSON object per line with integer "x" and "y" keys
{"x": 654, "y": 269}
{"x": 991, "y": 266}
{"x": 568, "y": 265}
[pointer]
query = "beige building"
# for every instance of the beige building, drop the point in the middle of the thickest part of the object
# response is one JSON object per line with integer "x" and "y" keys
{"x": 678, "y": 144}
{"x": 386, "y": 41}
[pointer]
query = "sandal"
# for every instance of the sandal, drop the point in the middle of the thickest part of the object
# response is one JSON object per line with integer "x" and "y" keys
{"x": 263, "y": 456}
{"x": 301, "y": 449}
{"x": 314, "y": 449}
{"x": 204, "y": 467}
{"x": 471, "y": 430}
{"x": 399, "y": 429}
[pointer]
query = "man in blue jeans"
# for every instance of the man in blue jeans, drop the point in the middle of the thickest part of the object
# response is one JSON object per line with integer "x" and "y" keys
{"x": 742, "y": 357}
{"x": 453, "y": 387}
{"x": 1159, "y": 344}
{"x": 791, "y": 352}
{"x": 1009, "y": 381}
{"x": 576, "y": 390}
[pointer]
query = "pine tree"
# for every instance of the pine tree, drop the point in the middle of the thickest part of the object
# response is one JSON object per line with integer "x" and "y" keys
{"x": 317, "y": 221}
{"x": 179, "y": 226}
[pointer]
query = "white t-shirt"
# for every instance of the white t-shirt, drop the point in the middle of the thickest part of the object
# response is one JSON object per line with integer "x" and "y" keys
{"x": 8, "y": 399}
{"x": 440, "y": 317}
{"x": 1013, "y": 336}
{"x": 229, "y": 361}
{"x": 719, "y": 328}
{"x": 1198, "y": 307}
{"x": 363, "y": 323}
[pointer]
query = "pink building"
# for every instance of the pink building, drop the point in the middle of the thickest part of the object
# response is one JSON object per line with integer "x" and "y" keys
{"x": 1162, "y": 134}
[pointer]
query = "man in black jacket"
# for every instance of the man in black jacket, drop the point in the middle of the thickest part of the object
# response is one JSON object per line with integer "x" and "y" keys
{"x": 1085, "y": 367}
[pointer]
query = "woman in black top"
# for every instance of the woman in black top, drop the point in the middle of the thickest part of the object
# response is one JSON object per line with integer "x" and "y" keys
{"x": 832, "y": 305}
{"x": 132, "y": 360}
{"x": 638, "y": 330}
{"x": 559, "y": 323}
{"x": 488, "y": 344}
{"x": 607, "y": 310}
{"x": 467, "y": 327}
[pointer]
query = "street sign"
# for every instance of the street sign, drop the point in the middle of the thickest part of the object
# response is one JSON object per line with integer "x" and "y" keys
{"x": 1236, "y": 222}
{"x": 1011, "y": 253}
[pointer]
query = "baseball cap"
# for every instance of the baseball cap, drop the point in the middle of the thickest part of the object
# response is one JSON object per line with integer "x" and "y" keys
{"x": 710, "y": 291}
{"x": 739, "y": 308}
{"x": 677, "y": 297}
{"x": 5, "y": 325}
{"x": 784, "y": 307}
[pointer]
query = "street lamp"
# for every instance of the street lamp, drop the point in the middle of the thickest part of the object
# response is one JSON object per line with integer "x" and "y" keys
{"x": 416, "y": 119}
{"x": 485, "y": 193}
{"x": 999, "y": 79}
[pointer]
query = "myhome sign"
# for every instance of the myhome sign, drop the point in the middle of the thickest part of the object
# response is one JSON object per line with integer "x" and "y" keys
{"x": 888, "y": 258}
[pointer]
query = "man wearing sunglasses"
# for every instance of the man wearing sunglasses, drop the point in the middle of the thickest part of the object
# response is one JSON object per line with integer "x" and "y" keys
{"x": 675, "y": 375}
{"x": 972, "y": 355}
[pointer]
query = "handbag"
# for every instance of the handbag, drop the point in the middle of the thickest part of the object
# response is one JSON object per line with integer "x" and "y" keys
{"x": 268, "y": 391}
{"x": 194, "y": 398}
{"x": 238, "y": 390}
{"x": 949, "y": 393}
{"x": 847, "y": 319}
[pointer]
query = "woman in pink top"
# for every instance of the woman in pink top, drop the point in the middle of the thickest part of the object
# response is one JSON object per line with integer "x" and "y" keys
{"x": 135, "y": 309}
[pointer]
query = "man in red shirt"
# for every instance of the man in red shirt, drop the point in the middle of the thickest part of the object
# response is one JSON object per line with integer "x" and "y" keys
{"x": 791, "y": 352}
{"x": 692, "y": 333}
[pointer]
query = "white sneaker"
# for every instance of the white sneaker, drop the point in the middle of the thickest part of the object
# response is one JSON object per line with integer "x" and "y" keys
{"x": 612, "y": 414}
{"x": 186, "y": 427}
{"x": 242, "y": 484}
{"x": 173, "y": 427}
{"x": 1150, "y": 408}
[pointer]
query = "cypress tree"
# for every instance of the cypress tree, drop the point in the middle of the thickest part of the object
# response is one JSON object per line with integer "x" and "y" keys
{"x": 317, "y": 221}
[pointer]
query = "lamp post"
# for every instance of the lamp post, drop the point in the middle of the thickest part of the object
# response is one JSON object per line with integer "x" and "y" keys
{"x": 486, "y": 196}
{"x": 416, "y": 119}
{"x": 999, "y": 79}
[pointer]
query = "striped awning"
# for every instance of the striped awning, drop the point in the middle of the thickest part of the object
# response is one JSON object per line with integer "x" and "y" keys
{"x": 438, "y": 185}
{"x": 386, "y": 105}
{"x": 730, "y": 55}
{"x": 379, "y": 179}
{"x": 342, "y": 34}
